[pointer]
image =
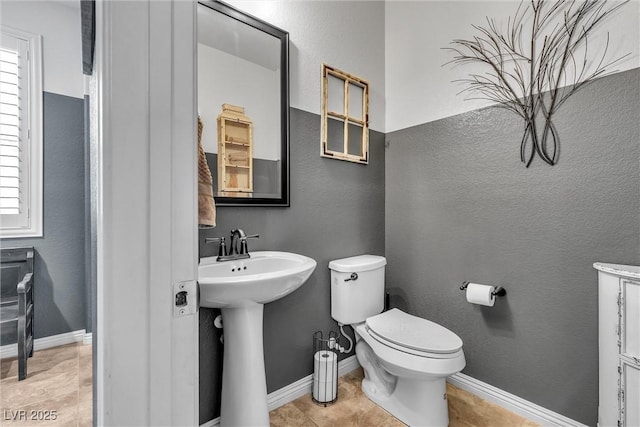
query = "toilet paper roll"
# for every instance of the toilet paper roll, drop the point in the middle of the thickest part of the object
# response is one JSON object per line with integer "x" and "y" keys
{"x": 325, "y": 366}
{"x": 324, "y": 391}
{"x": 480, "y": 294}
{"x": 325, "y": 376}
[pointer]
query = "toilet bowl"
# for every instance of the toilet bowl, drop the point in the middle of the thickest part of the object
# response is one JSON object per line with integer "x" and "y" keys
{"x": 409, "y": 382}
{"x": 406, "y": 359}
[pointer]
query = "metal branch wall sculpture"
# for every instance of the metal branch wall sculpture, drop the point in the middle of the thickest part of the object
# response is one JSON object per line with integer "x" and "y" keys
{"x": 541, "y": 60}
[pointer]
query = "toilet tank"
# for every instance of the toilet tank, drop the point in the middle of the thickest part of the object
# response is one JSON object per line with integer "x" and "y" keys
{"x": 357, "y": 288}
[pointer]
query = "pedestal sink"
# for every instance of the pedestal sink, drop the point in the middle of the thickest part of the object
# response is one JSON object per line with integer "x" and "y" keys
{"x": 240, "y": 289}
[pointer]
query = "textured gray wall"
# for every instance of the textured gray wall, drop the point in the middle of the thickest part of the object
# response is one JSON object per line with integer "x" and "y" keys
{"x": 337, "y": 210}
{"x": 460, "y": 206}
{"x": 59, "y": 299}
{"x": 266, "y": 175}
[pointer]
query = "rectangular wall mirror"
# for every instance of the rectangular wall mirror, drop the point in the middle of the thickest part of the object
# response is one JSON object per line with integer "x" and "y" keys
{"x": 243, "y": 102}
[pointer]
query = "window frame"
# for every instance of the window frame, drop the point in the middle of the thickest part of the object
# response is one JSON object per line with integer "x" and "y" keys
{"x": 32, "y": 224}
{"x": 344, "y": 116}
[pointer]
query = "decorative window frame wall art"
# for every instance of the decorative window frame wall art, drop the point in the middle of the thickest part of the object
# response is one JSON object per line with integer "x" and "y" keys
{"x": 345, "y": 116}
{"x": 542, "y": 58}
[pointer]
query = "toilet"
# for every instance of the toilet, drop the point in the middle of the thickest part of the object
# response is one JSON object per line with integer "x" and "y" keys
{"x": 406, "y": 359}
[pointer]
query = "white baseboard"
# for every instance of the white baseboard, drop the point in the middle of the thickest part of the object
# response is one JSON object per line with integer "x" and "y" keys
{"x": 492, "y": 394}
{"x": 512, "y": 403}
{"x": 303, "y": 386}
{"x": 88, "y": 338}
{"x": 297, "y": 389}
{"x": 11, "y": 350}
{"x": 213, "y": 423}
{"x": 347, "y": 365}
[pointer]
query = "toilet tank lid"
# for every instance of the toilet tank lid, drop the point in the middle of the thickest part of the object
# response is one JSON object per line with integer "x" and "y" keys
{"x": 358, "y": 263}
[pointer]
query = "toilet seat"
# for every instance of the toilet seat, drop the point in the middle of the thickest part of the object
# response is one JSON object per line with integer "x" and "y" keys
{"x": 410, "y": 363}
{"x": 413, "y": 335}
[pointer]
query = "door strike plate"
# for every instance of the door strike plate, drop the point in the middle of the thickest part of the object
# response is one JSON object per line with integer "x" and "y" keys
{"x": 185, "y": 298}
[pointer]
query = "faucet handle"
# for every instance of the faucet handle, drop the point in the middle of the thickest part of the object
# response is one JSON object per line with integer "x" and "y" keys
{"x": 243, "y": 243}
{"x": 222, "y": 248}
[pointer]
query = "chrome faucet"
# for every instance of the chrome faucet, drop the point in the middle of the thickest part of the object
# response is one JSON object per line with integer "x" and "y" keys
{"x": 236, "y": 235}
{"x": 233, "y": 252}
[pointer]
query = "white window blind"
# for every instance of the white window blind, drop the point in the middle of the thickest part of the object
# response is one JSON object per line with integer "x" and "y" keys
{"x": 11, "y": 129}
{"x": 20, "y": 135}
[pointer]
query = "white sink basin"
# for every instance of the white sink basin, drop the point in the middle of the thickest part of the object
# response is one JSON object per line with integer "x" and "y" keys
{"x": 265, "y": 277}
{"x": 240, "y": 289}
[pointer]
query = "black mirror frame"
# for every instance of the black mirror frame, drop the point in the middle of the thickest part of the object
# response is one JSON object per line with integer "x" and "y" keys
{"x": 283, "y": 36}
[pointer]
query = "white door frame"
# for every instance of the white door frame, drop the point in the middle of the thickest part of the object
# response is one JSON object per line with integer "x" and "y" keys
{"x": 145, "y": 121}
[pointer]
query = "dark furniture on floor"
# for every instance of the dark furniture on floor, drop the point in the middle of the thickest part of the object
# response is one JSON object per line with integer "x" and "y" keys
{"x": 16, "y": 301}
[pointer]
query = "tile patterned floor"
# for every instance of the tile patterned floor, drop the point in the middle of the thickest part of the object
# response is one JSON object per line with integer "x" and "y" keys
{"x": 58, "y": 385}
{"x": 353, "y": 408}
{"x": 60, "y": 380}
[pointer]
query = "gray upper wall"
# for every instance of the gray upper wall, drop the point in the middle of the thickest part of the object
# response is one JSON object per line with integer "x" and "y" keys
{"x": 337, "y": 210}
{"x": 59, "y": 265}
{"x": 460, "y": 206}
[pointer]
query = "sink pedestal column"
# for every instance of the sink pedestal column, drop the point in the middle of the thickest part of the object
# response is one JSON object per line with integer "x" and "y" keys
{"x": 244, "y": 385}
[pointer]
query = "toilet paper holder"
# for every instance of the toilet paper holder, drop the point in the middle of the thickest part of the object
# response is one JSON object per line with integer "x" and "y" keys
{"x": 498, "y": 292}
{"x": 325, "y": 368}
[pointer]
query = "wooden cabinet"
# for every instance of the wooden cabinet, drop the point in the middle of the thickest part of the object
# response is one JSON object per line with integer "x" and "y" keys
{"x": 619, "y": 345}
{"x": 235, "y": 152}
